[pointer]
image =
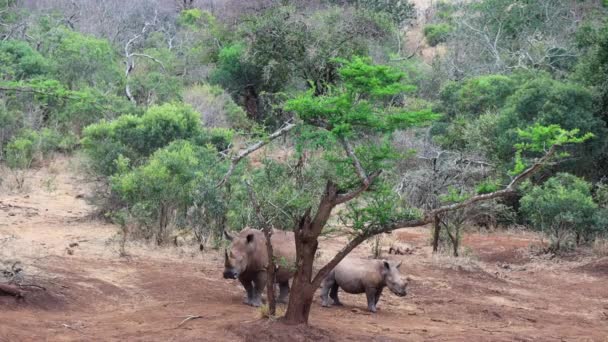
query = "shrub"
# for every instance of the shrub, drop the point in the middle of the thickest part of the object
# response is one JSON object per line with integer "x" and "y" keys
{"x": 19, "y": 153}
{"x": 216, "y": 107}
{"x": 563, "y": 208}
{"x": 19, "y": 61}
{"x": 167, "y": 185}
{"x": 136, "y": 138}
{"x": 437, "y": 33}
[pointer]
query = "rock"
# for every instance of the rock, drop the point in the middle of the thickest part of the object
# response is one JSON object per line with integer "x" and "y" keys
{"x": 11, "y": 214}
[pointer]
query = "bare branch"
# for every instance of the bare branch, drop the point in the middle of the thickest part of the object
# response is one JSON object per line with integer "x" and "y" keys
{"x": 351, "y": 154}
{"x": 256, "y": 146}
{"x": 150, "y": 57}
{"x": 364, "y": 186}
{"x": 188, "y": 318}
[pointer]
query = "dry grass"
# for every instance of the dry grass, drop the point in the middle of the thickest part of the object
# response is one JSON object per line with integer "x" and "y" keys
{"x": 600, "y": 247}
{"x": 264, "y": 311}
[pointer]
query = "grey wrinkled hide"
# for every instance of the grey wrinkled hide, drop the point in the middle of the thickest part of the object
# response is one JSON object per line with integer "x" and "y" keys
{"x": 247, "y": 258}
{"x": 363, "y": 276}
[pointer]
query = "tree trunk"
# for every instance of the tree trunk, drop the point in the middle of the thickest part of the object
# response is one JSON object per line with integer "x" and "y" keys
{"x": 436, "y": 231}
{"x": 270, "y": 271}
{"x": 453, "y": 239}
{"x": 302, "y": 290}
{"x": 251, "y": 103}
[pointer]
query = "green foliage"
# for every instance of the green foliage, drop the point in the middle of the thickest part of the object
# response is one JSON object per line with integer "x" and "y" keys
{"x": 234, "y": 71}
{"x": 488, "y": 186}
{"x": 548, "y": 103}
{"x": 360, "y": 107}
{"x": 82, "y": 60}
{"x": 18, "y": 61}
{"x": 601, "y": 195}
{"x": 477, "y": 95}
{"x": 358, "y": 104}
{"x": 281, "y": 196}
{"x": 540, "y": 138}
{"x": 561, "y": 207}
{"x": 168, "y": 181}
{"x": 486, "y": 113}
{"x": 19, "y": 153}
{"x": 398, "y": 10}
{"x": 592, "y": 69}
{"x": 216, "y": 107}
{"x": 136, "y": 138}
{"x": 377, "y": 209}
{"x": 276, "y": 53}
{"x": 30, "y": 145}
{"x": 454, "y": 196}
{"x": 437, "y": 33}
{"x": 190, "y": 17}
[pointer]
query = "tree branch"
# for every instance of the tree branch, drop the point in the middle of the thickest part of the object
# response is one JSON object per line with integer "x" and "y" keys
{"x": 351, "y": 154}
{"x": 429, "y": 216}
{"x": 364, "y": 186}
{"x": 150, "y": 57}
{"x": 256, "y": 146}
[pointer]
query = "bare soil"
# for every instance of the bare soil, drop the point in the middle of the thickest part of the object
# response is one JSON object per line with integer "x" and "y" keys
{"x": 497, "y": 292}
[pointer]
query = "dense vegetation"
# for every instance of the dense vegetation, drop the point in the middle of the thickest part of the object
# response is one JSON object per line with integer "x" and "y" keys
{"x": 159, "y": 96}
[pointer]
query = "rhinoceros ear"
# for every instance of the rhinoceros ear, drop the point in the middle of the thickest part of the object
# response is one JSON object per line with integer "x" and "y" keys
{"x": 249, "y": 238}
{"x": 387, "y": 265}
{"x": 399, "y": 264}
{"x": 228, "y": 236}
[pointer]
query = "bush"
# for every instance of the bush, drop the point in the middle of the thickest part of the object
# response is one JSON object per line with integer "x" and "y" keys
{"x": 19, "y": 153}
{"x": 216, "y": 107}
{"x": 563, "y": 208}
{"x": 168, "y": 184}
{"x": 19, "y": 61}
{"x": 29, "y": 146}
{"x": 437, "y": 33}
{"x": 136, "y": 138}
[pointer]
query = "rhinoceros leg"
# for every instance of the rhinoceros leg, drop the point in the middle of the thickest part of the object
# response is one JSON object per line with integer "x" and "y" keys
{"x": 249, "y": 289}
{"x": 259, "y": 283}
{"x": 333, "y": 293}
{"x": 327, "y": 285}
{"x": 378, "y": 294}
{"x": 283, "y": 292}
{"x": 371, "y": 299}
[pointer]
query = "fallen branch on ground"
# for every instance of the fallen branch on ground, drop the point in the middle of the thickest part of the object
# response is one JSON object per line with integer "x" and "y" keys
{"x": 34, "y": 286}
{"x": 188, "y": 318}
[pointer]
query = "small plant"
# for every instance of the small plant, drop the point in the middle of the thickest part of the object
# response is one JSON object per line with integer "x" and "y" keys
{"x": 19, "y": 155}
{"x": 49, "y": 184}
{"x": 437, "y": 33}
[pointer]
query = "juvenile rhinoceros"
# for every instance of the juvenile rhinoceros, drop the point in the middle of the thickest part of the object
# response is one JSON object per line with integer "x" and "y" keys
{"x": 247, "y": 258}
{"x": 363, "y": 276}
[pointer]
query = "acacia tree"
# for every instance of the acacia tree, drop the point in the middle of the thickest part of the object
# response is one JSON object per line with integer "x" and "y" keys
{"x": 350, "y": 128}
{"x": 359, "y": 110}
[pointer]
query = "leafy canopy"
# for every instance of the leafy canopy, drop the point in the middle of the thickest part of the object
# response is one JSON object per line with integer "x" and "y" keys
{"x": 361, "y": 102}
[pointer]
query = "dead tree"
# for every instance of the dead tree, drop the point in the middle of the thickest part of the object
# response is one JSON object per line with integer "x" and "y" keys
{"x": 130, "y": 55}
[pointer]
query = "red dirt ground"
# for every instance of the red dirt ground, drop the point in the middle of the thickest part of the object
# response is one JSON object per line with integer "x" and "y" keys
{"x": 496, "y": 293}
